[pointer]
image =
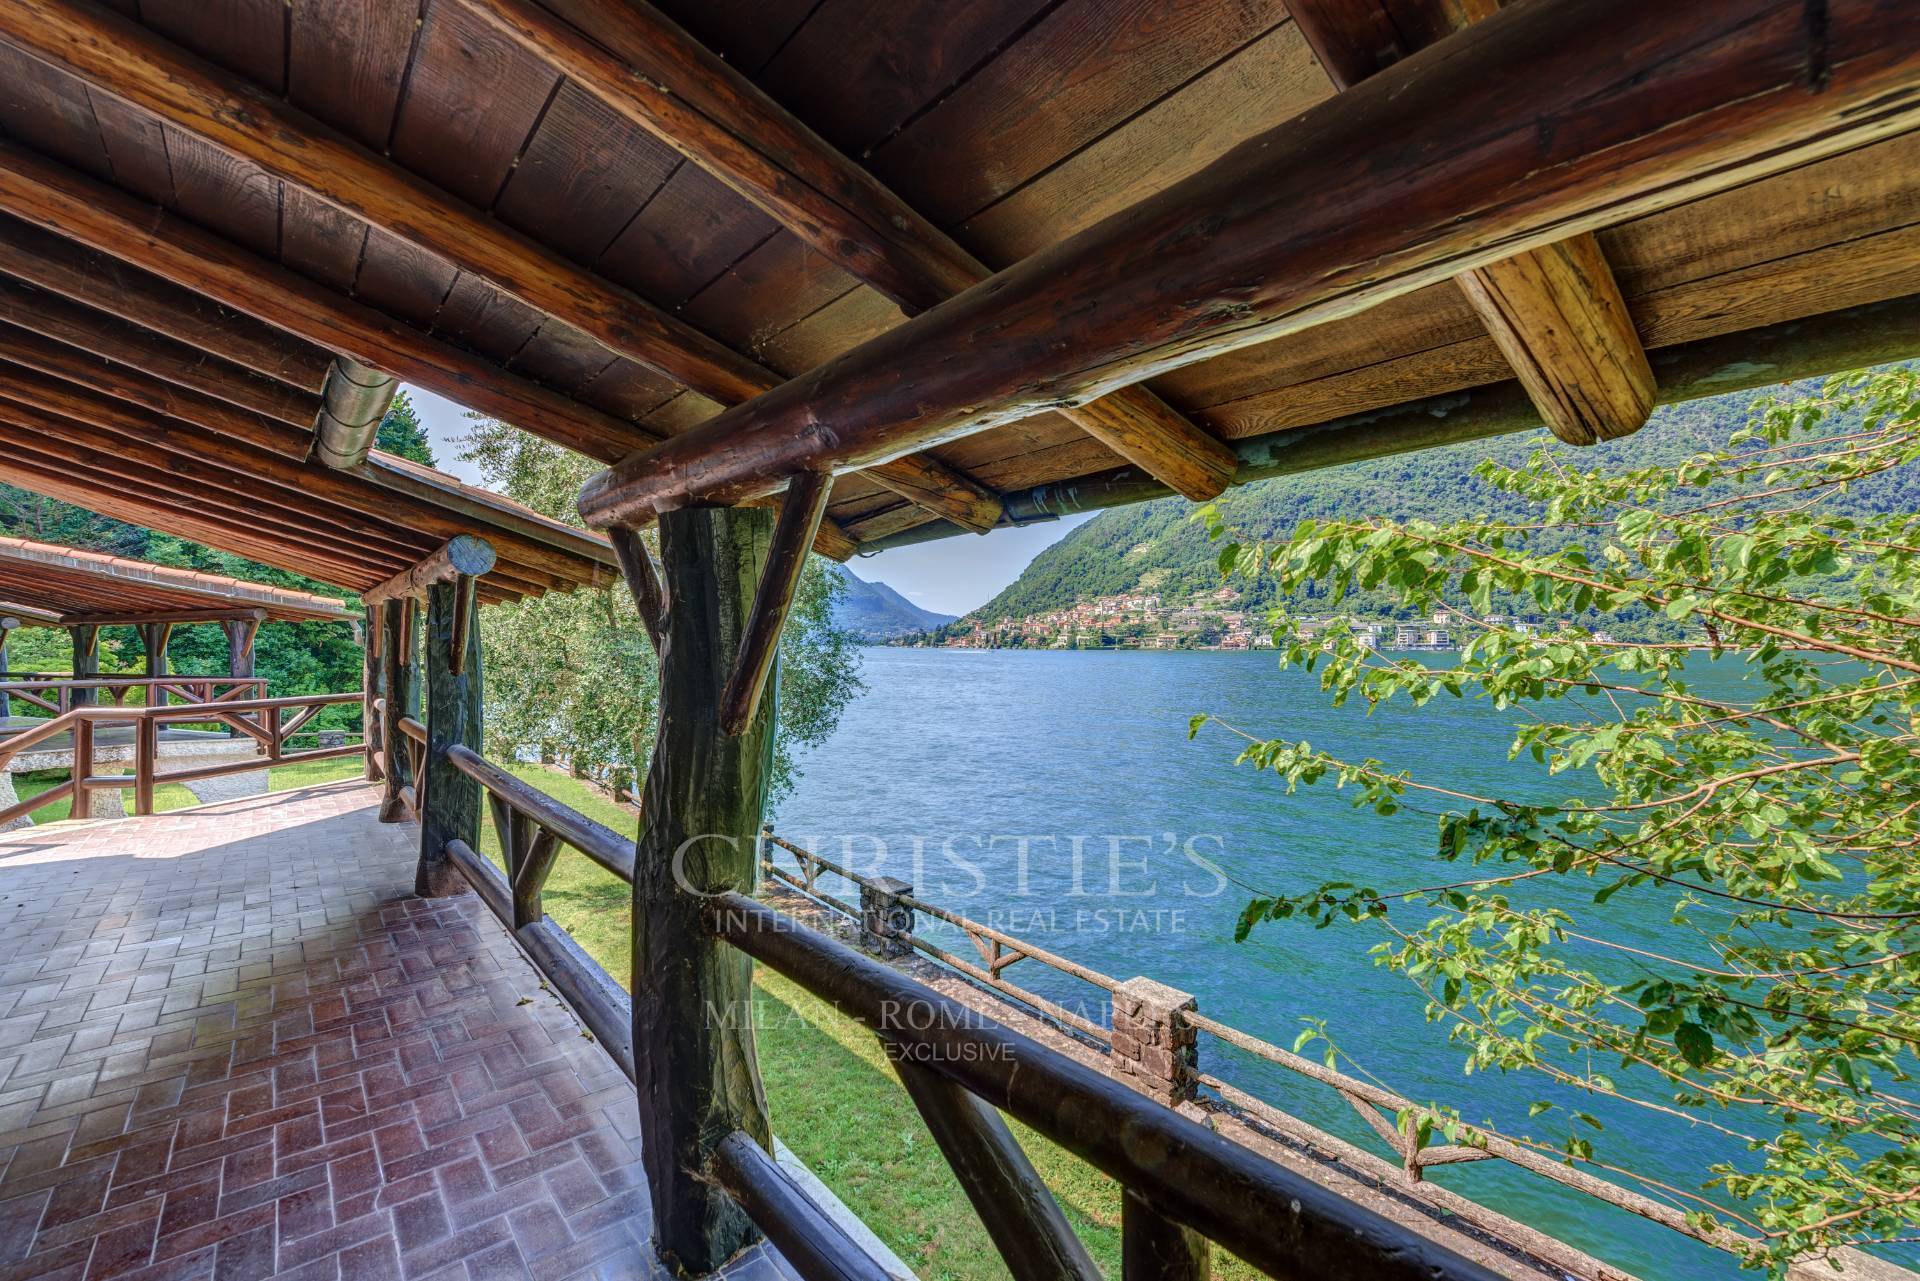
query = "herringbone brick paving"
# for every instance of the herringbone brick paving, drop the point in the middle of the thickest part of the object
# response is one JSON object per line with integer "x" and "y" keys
{"x": 234, "y": 1045}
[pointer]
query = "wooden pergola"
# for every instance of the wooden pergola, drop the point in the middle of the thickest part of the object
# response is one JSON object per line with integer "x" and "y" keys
{"x": 82, "y": 591}
{"x": 900, "y": 272}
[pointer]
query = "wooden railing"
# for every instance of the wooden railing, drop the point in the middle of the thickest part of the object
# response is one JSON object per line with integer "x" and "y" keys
{"x": 271, "y": 722}
{"x": 413, "y": 741}
{"x": 1185, "y": 1185}
{"x": 55, "y": 695}
{"x": 1405, "y": 1126}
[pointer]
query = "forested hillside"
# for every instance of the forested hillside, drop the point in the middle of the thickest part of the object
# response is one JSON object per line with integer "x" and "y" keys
{"x": 1157, "y": 547}
{"x": 294, "y": 658}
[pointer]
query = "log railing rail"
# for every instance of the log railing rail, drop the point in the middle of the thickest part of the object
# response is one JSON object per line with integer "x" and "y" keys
{"x": 1185, "y": 1183}
{"x": 1399, "y": 1121}
{"x": 56, "y": 694}
{"x": 997, "y": 949}
{"x": 272, "y": 722}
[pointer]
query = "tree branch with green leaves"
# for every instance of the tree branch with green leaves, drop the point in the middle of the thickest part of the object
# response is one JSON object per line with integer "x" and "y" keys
{"x": 1774, "y": 826}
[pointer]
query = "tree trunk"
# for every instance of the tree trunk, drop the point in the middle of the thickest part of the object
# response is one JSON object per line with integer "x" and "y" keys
{"x": 453, "y": 800}
{"x": 692, "y": 1027}
{"x": 153, "y": 639}
{"x": 86, "y": 662}
{"x": 239, "y": 656}
{"x": 397, "y": 678}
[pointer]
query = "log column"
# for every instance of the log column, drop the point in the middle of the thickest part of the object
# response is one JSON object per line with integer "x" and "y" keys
{"x": 86, "y": 663}
{"x": 452, "y": 808}
{"x": 6, "y": 629}
{"x": 692, "y": 1031}
{"x": 397, "y": 678}
{"x": 372, "y": 687}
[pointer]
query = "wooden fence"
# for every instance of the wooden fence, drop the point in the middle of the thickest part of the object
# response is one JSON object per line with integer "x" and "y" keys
{"x": 1186, "y": 1186}
{"x": 1408, "y": 1128}
{"x": 271, "y": 722}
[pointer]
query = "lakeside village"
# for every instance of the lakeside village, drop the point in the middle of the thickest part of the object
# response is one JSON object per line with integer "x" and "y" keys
{"x": 1209, "y": 620}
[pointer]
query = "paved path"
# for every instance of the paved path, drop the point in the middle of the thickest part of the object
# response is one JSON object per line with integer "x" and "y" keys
{"x": 234, "y": 1045}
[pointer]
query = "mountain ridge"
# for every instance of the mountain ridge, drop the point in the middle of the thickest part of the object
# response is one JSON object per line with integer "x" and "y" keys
{"x": 874, "y": 611}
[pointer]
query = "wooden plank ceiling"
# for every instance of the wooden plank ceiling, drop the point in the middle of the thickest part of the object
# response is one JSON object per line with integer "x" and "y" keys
{"x": 468, "y": 194}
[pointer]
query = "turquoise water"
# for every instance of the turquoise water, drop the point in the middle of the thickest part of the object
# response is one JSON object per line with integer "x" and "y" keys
{"x": 949, "y": 749}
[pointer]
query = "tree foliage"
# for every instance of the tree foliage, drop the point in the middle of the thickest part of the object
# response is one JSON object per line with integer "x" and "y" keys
{"x": 401, "y": 432}
{"x": 572, "y": 675}
{"x": 1775, "y": 829}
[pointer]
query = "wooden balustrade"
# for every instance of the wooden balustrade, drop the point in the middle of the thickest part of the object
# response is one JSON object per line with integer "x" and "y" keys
{"x": 271, "y": 722}
{"x": 1185, "y": 1184}
{"x": 55, "y": 695}
{"x": 411, "y": 735}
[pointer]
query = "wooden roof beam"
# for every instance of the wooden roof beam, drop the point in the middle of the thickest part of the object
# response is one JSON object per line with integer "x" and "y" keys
{"x": 179, "y": 447}
{"x": 133, "y": 618}
{"x": 103, "y": 282}
{"x": 644, "y": 67}
{"x": 1442, "y": 163}
{"x": 195, "y": 368}
{"x": 1555, "y": 312}
{"x": 114, "y": 55}
{"x": 52, "y": 196}
{"x": 465, "y": 554}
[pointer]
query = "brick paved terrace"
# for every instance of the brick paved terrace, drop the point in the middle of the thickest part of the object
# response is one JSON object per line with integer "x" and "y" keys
{"x": 233, "y": 1044}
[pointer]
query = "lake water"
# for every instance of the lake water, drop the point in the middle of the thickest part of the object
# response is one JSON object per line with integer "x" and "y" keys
{"x": 1087, "y": 753}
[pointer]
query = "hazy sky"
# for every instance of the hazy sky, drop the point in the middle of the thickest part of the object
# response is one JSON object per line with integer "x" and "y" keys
{"x": 951, "y": 576}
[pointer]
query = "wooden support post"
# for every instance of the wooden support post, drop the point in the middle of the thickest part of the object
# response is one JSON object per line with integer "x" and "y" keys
{"x": 1155, "y": 1248}
{"x": 643, "y": 580}
{"x": 146, "y": 749}
{"x": 372, "y": 690}
{"x": 240, "y": 634}
{"x": 451, "y": 810}
{"x": 86, "y": 662}
{"x": 692, "y": 995}
{"x": 6, "y": 629}
{"x": 81, "y": 806}
{"x": 1019, "y": 1213}
{"x": 800, "y": 513}
{"x": 397, "y": 680}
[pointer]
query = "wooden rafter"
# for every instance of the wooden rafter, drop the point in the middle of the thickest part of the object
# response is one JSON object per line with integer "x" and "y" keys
{"x": 1555, "y": 312}
{"x": 1321, "y": 219}
{"x": 162, "y": 451}
{"x": 641, "y": 65}
{"x": 119, "y": 57}
{"x": 805, "y": 502}
{"x": 120, "y": 226}
{"x": 193, "y": 368}
{"x": 102, "y": 281}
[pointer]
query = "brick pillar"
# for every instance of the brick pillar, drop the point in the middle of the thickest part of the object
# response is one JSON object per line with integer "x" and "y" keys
{"x": 1154, "y": 1050}
{"x": 885, "y": 922}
